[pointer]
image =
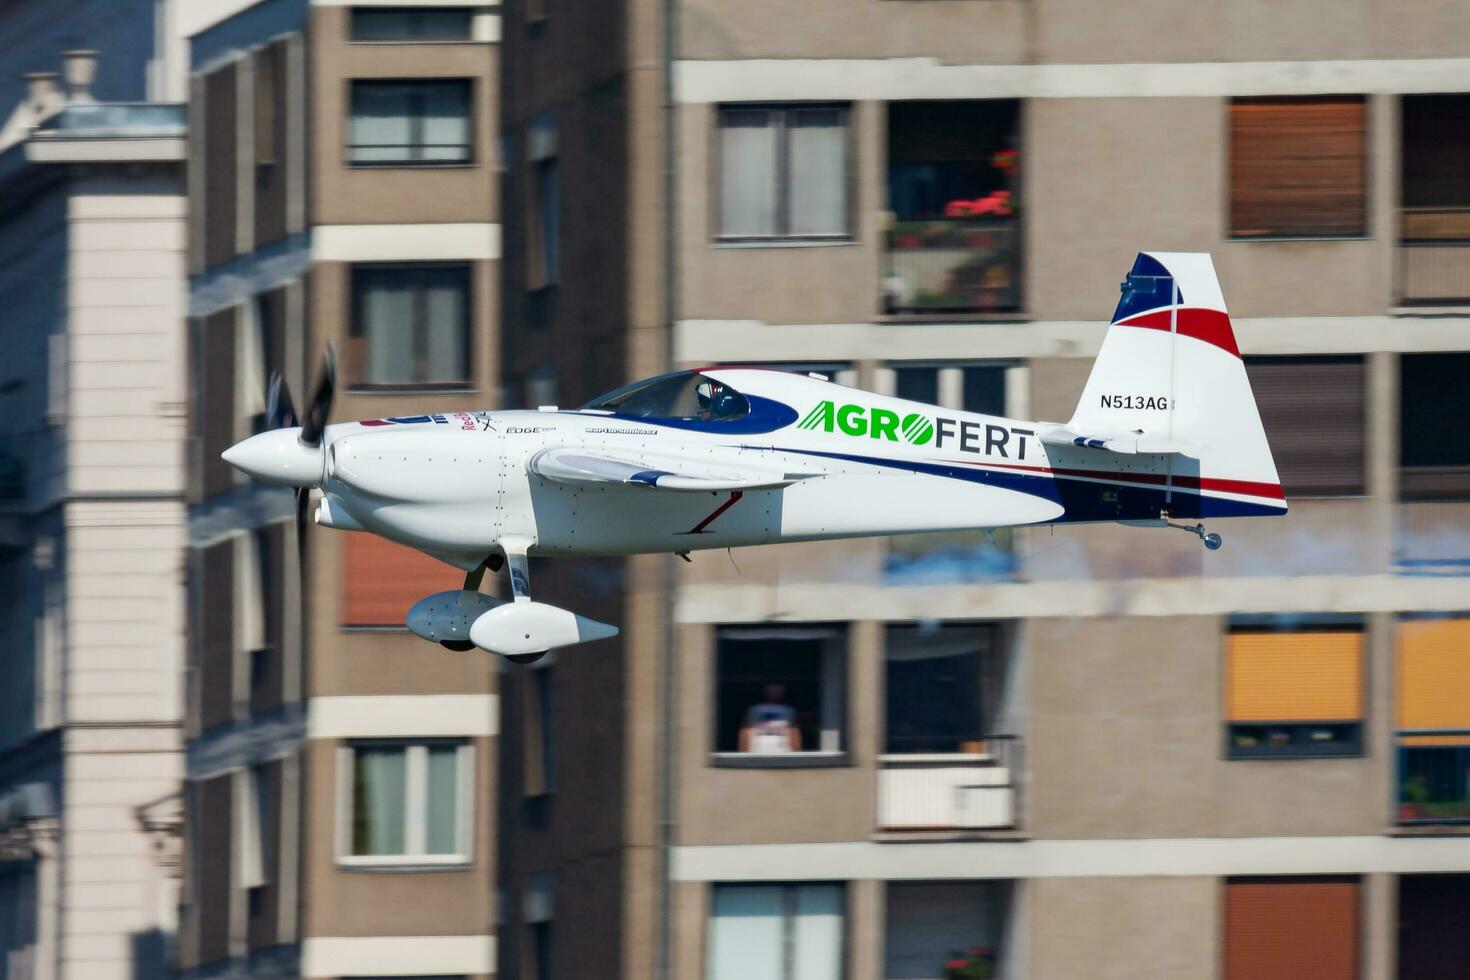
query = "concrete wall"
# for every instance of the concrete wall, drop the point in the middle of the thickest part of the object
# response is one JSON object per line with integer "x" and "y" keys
{"x": 1091, "y": 928}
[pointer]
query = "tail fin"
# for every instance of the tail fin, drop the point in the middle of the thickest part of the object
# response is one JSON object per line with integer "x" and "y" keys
{"x": 1169, "y": 379}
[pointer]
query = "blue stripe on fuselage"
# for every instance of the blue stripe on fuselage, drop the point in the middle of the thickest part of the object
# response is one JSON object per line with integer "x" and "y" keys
{"x": 1081, "y": 499}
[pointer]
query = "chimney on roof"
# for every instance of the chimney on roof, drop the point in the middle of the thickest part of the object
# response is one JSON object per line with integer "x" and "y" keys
{"x": 79, "y": 68}
{"x": 43, "y": 93}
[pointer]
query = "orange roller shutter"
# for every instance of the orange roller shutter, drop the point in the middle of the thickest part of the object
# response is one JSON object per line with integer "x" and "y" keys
{"x": 1295, "y": 676}
{"x": 1434, "y": 676}
{"x": 1291, "y": 929}
{"x": 380, "y": 580}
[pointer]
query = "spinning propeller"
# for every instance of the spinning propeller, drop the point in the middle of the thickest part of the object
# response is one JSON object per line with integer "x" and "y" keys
{"x": 284, "y": 454}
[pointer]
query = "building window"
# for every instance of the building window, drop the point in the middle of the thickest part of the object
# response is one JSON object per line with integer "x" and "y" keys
{"x": 543, "y": 204}
{"x": 412, "y": 23}
{"x": 1315, "y": 416}
{"x": 410, "y": 325}
{"x": 1434, "y": 229}
{"x": 414, "y": 122}
{"x": 538, "y": 736}
{"x": 943, "y": 684}
{"x": 1292, "y": 927}
{"x": 1298, "y": 167}
{"x": 1294, "y": 692}
{"x": 1434, "y": 406}
{"x": 928, "y": 925}
{"x": 783, "y": 173}
{"x": 953, "y": 241}
{"x": 1433, "y": 943}
{"x": 779, "y": 691}
{"x": 979, "y": 388}
{"x": 406, "y": 804}
{"x": 776, "y": 932}
{"x": 1433, "y": 727}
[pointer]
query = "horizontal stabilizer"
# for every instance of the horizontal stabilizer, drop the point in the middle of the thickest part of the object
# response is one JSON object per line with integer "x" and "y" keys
{"x": 1129, "y": 443}
{"x": 576, "y": 465}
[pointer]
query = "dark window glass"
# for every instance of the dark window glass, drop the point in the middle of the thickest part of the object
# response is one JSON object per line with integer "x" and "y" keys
{"x": 409, "y": 122}
{"x": 917, "y": 384}
{"x": 985, "y": 389}
{"x": 1434, "y": 412}
{"x": 410, "y": 325}
{"x": 934, "y": 681}
{"x": 411, "y": 23}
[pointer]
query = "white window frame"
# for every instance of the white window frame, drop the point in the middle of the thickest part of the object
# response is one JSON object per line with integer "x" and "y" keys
{"x": 415, "y": 825}
{"x": 781, "y": 113}
{"x": 249, "y": 829}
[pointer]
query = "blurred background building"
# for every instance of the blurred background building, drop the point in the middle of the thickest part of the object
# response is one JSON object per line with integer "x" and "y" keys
{"x": 92, "y": 472}
{"x": 342, "y": 191}
{"x": 1099, "y": 752}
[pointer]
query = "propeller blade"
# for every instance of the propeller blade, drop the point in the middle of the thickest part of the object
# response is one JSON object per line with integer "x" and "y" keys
{"x": 303, "y": 501}
{"x": 319, "y": 408}
{"x": 280, "y": 413}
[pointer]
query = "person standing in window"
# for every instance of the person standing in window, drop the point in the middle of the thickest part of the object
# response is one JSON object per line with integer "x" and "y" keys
{"x": 771, "y": 725}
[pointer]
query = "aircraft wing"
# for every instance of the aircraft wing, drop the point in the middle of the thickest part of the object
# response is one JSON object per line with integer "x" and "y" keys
{"x": 579, "y": 465}
{"x": 1127, "y": 443}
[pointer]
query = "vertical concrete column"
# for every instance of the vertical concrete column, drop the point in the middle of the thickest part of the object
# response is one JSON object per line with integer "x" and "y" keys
{"x": 865, "y": 699}
{"x": 1383, "y": 195}
{"x": 195, "y": 175}
{"x": 865, "y": 929}
{"x": 1380, "y": 926}
{"x": 1383, "y": 452}
{"x": 1380, "y": 720}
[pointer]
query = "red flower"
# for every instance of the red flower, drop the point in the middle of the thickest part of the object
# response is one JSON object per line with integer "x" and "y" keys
{"x": 957, "y": 964}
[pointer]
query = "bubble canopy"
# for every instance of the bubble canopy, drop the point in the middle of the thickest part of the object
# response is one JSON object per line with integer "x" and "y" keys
{"x": 683, "y": 395}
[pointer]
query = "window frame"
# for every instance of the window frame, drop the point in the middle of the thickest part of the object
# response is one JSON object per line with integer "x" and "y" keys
{"x": 468, "y": 83}
{"x": 789, "y": 917}
{"x": 356, "y": 326}
{"x": 467, "y": 37}
{"x": 415, "y": 802}
{"x": 835, "y": 693}
{"x": 783, "y": 237}
{"x": 1355, "y": 747}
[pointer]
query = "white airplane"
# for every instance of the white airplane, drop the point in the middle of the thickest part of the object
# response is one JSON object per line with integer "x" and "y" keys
{"x": 721, "y": 457}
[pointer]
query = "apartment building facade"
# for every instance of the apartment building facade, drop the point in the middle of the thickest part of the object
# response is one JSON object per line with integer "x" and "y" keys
{"x": 1094, "y": 752}
{"x": 92, "y": 276}
{"x": 340, "y": 772}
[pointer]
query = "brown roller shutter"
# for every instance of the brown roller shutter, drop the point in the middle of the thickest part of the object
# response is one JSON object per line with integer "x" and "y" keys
{"x": 215, "y": 644}
{"x": 1298, "y": 167}
{"x": 215, "y": 847}
{"x": 1291, "y": 929}
{"x": 1314, "y": 415}
{"x": 216, "y": 402}
{"x": 220, "y": 139}
{"x": 382, "y": 579}
{"x": 267, "y": 670}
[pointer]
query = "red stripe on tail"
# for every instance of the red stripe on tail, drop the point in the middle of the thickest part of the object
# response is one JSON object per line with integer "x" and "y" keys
{"x": 1211, "y": 326}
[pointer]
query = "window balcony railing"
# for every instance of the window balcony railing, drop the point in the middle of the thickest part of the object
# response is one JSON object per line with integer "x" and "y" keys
{"x": 952, "y": 265}
{"x": 1434, "y": 256}
{"x": 1434, "y": 776}
{"x": 968, "y": 790}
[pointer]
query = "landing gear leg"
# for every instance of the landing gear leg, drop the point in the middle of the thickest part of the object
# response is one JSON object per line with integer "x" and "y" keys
{"x": 520, "y": 586}
{"x": 1211, "y": 540}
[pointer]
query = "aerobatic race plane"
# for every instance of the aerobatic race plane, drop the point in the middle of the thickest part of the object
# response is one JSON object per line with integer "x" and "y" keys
{"x": 1166, "y": 431}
